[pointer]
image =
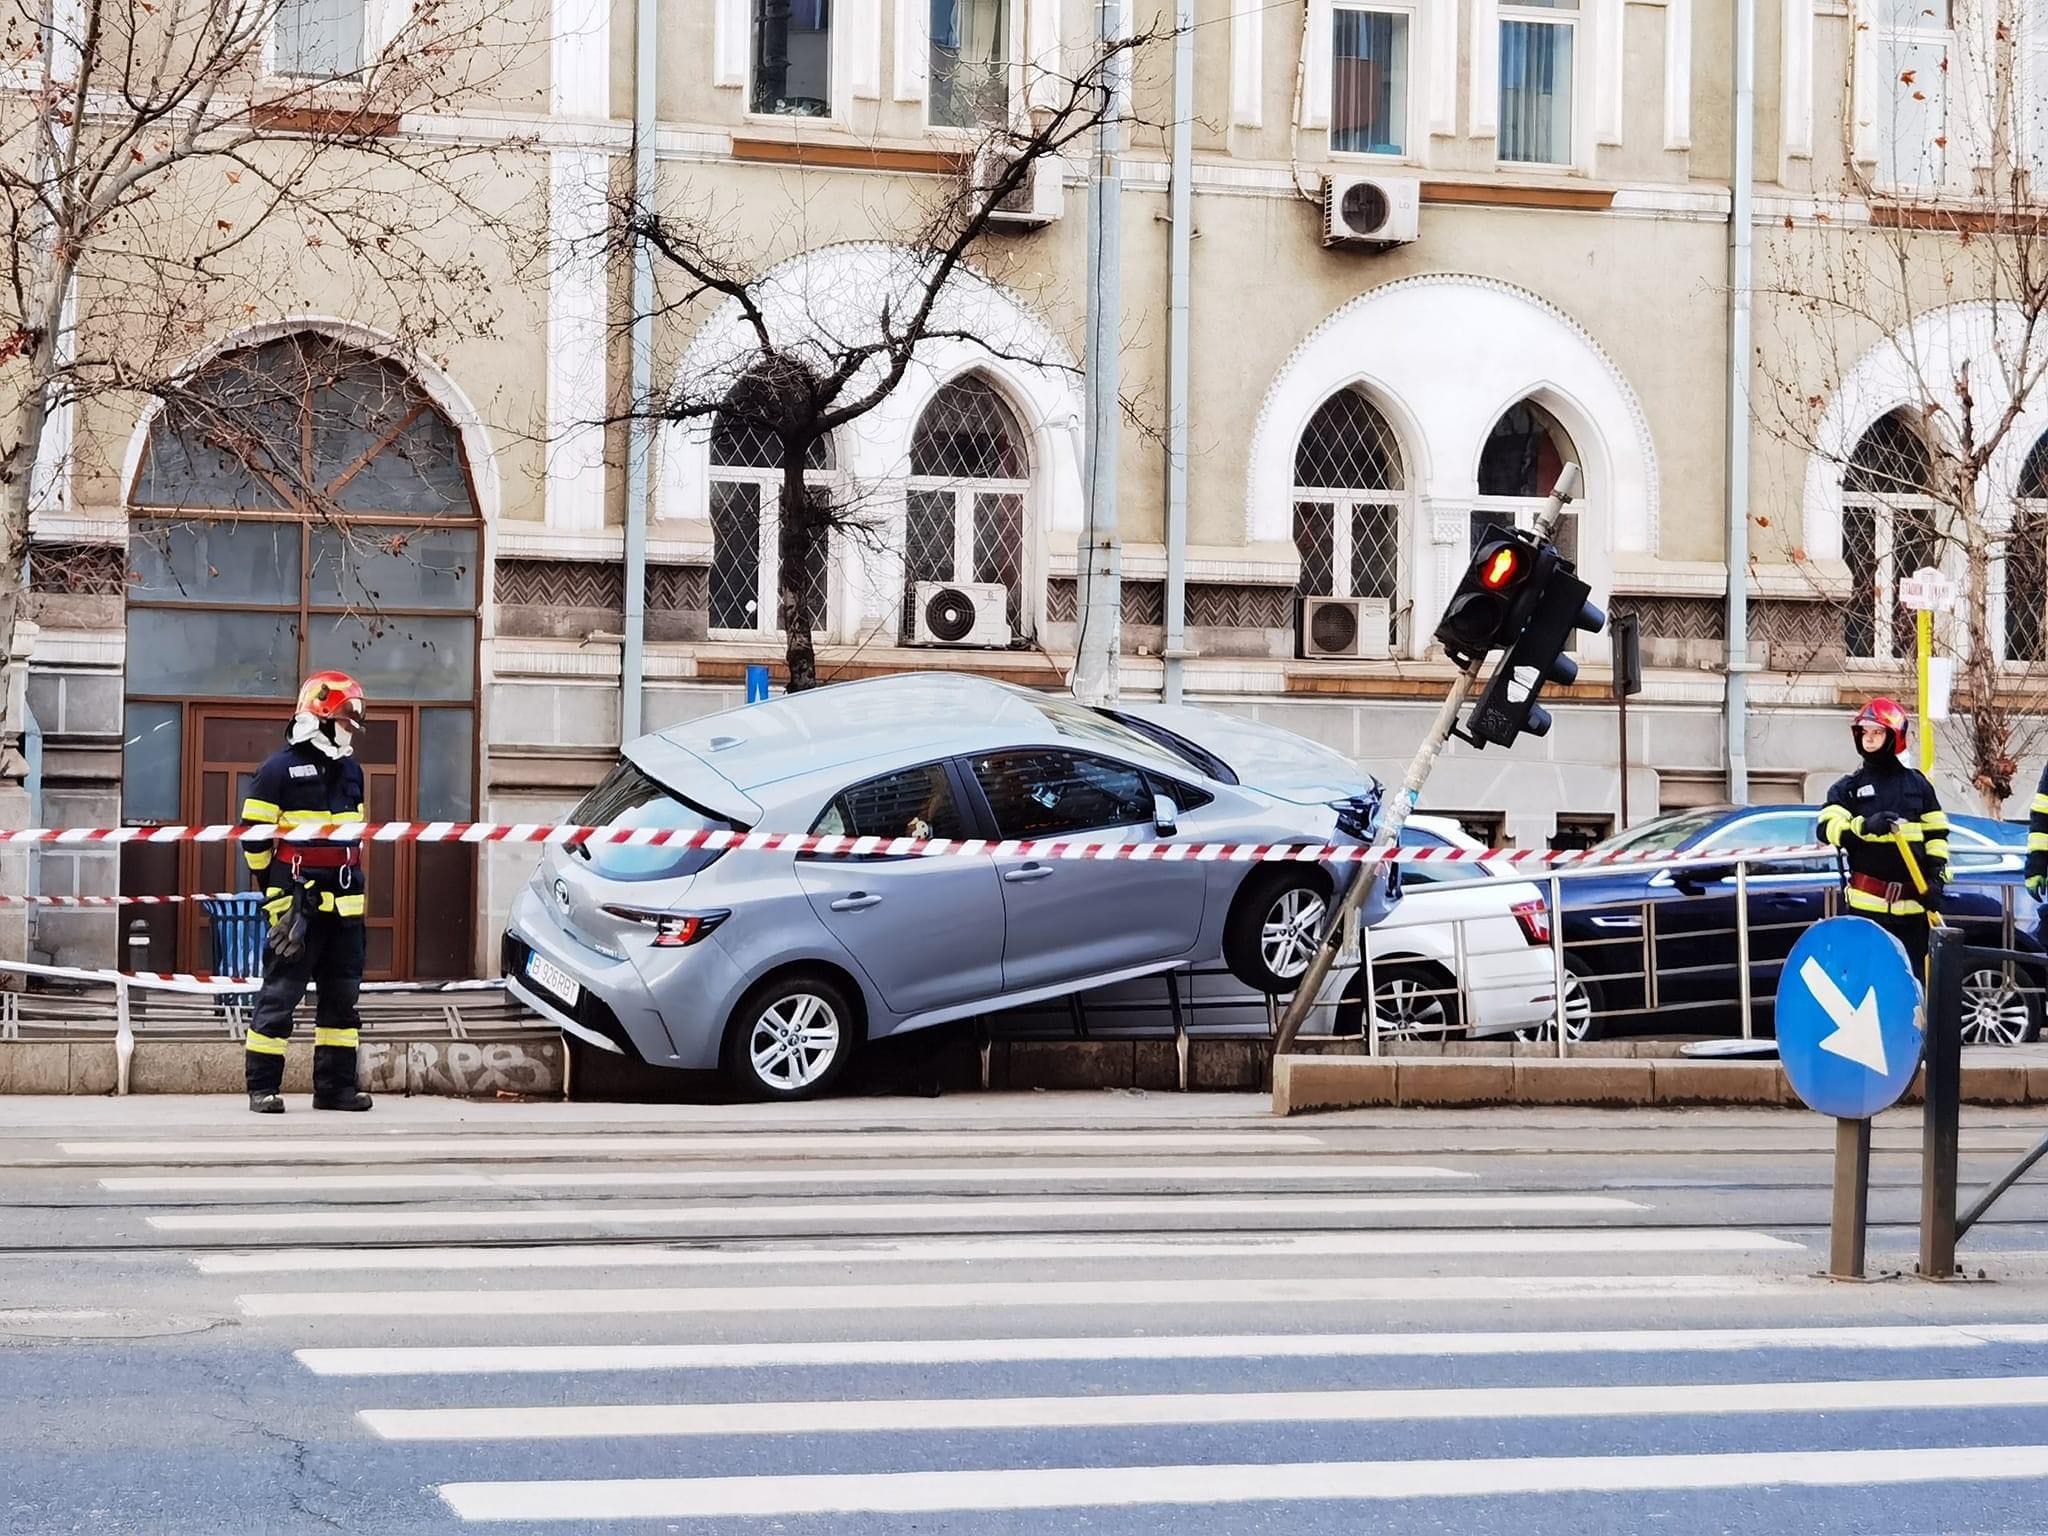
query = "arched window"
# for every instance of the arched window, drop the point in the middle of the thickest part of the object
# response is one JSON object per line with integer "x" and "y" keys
{"x": 1888, "y": 532}
{"x": 2026, "y": 564}
{"x": 746, "y": 493}
{"x": 969, "y": 477}
{"x": 1350, "y": 492}
{"x": 1518, "y": 469}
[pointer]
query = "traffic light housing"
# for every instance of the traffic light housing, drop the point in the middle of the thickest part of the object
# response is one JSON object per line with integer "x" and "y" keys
{"x": 1493, "y": 601}
{"x": 1508, "y": 708}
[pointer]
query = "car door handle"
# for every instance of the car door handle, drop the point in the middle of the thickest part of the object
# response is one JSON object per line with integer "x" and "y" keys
{"x": 1027, "y": 874}
{"x": 859, "y": 901}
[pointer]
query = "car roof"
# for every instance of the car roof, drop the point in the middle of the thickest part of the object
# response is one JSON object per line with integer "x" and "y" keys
{"x": 904, "y": 717}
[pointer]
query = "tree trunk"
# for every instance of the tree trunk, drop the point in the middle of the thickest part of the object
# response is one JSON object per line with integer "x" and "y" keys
{"x": 796, "y": 538}
{"x": 1991, "y": 760}
{"x": 17, "y": 474}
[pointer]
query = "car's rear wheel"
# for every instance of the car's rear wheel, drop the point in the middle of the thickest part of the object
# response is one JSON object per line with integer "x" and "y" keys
{"x": 1274, "y": 927}
{"x": 790, "y": 1038}
{"x": 2000, "y": 1008}
{"x": 1582, "y": 1007}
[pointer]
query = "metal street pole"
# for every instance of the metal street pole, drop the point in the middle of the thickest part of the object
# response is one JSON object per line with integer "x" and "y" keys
{"x": 1394, "y": 817}
{"x": 1101, "y": 574}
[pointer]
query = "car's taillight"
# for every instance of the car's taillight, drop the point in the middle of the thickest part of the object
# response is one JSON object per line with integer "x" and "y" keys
{"x": 1534, "y": 917}
{"x": 672, "y": 930}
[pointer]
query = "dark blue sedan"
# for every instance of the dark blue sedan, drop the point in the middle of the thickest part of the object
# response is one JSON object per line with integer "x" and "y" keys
{"x": 1654, "y": 950}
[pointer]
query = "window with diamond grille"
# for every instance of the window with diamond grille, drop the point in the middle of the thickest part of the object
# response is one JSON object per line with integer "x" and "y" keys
{"x": 1518, "y": 469}
{"x": 964, "y": 517}
{"x": 746, "y": 493}
{"x": 1350, "y": 504}
{"x": 1889, "y": 531}
{"x": 2026, "y": 564}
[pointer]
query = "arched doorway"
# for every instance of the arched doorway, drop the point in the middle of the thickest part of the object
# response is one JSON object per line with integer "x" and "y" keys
{"x": 302, "y": 504}
{"x": 970, "y": 479}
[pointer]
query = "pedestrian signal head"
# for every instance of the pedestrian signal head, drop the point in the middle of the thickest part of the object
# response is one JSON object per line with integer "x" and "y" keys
{"x": 1491, "y": 604}
{"x": 1882, "y": 715}
{"x": 1501, "y": 567}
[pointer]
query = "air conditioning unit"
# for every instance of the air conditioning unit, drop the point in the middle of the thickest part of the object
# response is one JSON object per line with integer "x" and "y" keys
{"x": 961, "y": 613}
{"x": 1038, "y": 200}
{"x": 1376, "y": 211}
{"x": 1350, "y": 627}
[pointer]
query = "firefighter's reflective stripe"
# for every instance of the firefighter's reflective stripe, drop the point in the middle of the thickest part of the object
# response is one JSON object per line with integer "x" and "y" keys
{"x": 256, "y": 811}
{"x": 1836, "y": 820}
{"x": 257, "y": 856}
{"x": 279, "y": 904}
{"x": 265, "y": 1045}
{"x": 2041, "y": 803}
{"x": 345, "y": 1038}
{"x": 318, "y": 818}
{"x": 1868, "y": 901}
{"x": 2037, "y": 842}
{"x": 348, "y": 905}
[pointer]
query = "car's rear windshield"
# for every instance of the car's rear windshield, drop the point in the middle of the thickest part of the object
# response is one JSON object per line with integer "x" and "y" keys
{"x": 1199, "y": 757}
{"x": 629, "y": 798}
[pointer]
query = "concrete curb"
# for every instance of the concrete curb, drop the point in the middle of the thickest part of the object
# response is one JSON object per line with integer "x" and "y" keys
{"x": 1305, "y": 1084}
{"x": 442, "y": 1067}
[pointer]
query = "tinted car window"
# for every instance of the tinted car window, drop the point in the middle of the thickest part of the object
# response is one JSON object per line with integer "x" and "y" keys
{"x": 1663, "y": 835}
{"x": 1783, "y": 829}
{"x": 1044, "y": 793}
{"x": 629, "y": 798}
{"x": 1435, "y": 874}
{"x": 915, "y": 802}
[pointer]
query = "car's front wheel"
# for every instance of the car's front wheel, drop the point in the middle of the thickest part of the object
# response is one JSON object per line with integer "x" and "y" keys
{"x": 790, "y": 1038}
{"x": 1274, "y": 927}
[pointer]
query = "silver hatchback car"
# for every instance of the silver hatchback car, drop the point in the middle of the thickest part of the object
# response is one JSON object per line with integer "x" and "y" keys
{"x": 776, "y": 966}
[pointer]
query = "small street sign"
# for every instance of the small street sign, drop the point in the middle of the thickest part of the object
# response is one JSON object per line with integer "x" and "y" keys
{"x": 1849, "y": 1018}
{"x": 1927, "y": 590}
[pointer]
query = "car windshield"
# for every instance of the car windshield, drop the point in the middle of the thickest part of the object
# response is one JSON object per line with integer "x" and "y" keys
{"x": 1664, "y": 835}
{"x": 629, "y": 798}
{"x": 1198, "y": 757}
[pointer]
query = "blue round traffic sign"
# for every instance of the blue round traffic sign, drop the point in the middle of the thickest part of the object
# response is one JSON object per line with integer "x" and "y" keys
{"x": 1849, "y": 1018}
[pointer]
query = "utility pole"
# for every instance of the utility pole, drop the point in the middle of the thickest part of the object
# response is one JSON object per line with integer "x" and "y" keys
{"x": 1101, "y": 572}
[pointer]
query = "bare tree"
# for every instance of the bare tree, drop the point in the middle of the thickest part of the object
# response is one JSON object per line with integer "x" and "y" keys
{"x": 811, "y": 363}
{"x": 1932, "y": 264}
{"x": 172, "y": 171}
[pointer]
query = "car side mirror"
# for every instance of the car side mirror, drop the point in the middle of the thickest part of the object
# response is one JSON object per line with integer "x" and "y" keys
{"x": 1165, "y": 816}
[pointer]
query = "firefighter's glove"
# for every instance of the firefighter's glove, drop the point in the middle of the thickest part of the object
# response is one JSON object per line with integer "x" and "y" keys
{"x": 1883, "y": 824}
{"x": 286, "y": 910}
{"x": 2037, "y": 886}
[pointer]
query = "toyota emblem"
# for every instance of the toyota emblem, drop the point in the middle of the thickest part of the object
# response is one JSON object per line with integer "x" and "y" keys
{"x": 562, "y": 894}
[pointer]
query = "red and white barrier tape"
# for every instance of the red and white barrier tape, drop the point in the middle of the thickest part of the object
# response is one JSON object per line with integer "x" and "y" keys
{"x": 116, "y": 901}
{"x": 206, "y": 981}
{"x": 855, "y": 847}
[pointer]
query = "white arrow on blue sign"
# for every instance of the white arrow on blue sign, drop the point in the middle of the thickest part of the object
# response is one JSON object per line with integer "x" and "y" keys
{"x": 1849, "y": 1018}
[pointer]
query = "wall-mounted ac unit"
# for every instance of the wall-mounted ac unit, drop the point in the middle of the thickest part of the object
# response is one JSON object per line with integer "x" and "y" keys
{"x": 1354, "y": 628}
{"x": 1374, "y": 211}
{"x": 1037, "y": 200}
{"x": 961, "y": 613}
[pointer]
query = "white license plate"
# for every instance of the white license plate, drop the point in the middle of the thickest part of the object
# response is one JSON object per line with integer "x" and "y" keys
{"x": 553, "y": 978}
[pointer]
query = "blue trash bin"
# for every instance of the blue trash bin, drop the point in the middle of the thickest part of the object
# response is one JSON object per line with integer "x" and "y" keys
{"x": 236, "y": 930}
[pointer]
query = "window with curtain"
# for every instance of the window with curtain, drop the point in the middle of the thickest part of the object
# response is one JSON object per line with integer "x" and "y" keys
{"x": 1537, "y": 42}
{"x": 746, "y": 523}
{"x": 970, "y": 63}
{"x": 1369, "y": 81}
{"x": 1889, "y": 531}
{"x": 1350, "y": 503}
{"x": 964, "y": 512}
{"x": 1518, "y": 469}
{"x": 2026, "y": 564}
{"x": 792, "y": 58}
{"x": 317, "y": 39}
{"x": 1914, "y": 42}
{"x": 2030, "y": 102}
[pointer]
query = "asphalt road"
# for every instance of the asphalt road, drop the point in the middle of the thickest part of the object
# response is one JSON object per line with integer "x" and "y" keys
{"x": 1039, "y": 1314}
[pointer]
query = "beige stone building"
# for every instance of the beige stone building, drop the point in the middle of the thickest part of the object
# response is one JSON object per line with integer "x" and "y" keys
{"x": 1543, "y": 192}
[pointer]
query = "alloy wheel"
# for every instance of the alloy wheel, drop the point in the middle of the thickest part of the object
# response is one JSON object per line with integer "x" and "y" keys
{"x": 795, "y": 1041}
{"x": 1578, "y": 1015}
{"x": 1292, "y": 932}
{"x": 1995, "y": 1009}
{"x": 1409, "y": 1009}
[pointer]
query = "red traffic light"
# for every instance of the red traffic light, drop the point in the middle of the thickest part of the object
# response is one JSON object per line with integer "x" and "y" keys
{"x": 1500, "y": 568}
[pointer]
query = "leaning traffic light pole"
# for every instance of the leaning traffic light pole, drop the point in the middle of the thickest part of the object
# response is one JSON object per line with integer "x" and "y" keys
{"x": 1504, "y": 588}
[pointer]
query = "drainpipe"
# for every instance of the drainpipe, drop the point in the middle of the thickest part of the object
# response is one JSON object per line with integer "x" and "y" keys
{"x": 640, "y": 432}
{"x": 1741, "y": 229}
{"x": 1180, "y": 209}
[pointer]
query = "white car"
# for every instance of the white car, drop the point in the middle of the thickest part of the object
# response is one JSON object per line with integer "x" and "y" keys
{"x": 1470, "y": 920}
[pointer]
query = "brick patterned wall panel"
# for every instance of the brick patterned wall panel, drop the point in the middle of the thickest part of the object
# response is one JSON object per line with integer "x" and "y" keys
{"x": 1216, "y": 606}
{"x": 1677, "y": 618}
{"x": 1062, "y": 601}
{"x": 1801, "y": 637}
{"x": 678, "y": 589}
{"x": 1144, "y": 602}
{"x": 561, "y": 584}
{"x": 78, "y": 570}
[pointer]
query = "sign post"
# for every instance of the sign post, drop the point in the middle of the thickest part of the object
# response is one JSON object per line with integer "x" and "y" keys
{"x": 1850, "y": 1036}
{"x": 1926, "y": 592}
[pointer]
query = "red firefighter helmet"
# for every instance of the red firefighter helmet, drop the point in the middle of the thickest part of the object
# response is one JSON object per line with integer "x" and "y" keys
{"x": 1888, "y": 716}
{"x": 333, "y": 696}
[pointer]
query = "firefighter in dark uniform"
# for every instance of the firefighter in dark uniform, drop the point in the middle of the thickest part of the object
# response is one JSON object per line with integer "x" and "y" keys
{"x": 1891, "y": 831}
{"x": 313, "y": 897}
{"x": 2037, "y": 841}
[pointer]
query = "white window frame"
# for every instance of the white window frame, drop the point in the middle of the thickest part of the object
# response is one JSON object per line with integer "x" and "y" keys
{"x": 1015, "y": 103}
{"x": 963, "y": 491}
{"x": 1414, "y": 124}
{"x": 1572, "y": 16}
{"x": 768, "y": 572}
{"x": 1886, "y": 506}
{"x": 2026, "y": 509}
{"x": 837, "y": 69}
{"x": 365, "y": 53}
{"x": 1884, "y": 84}
{"x": 2031, "y": 99}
